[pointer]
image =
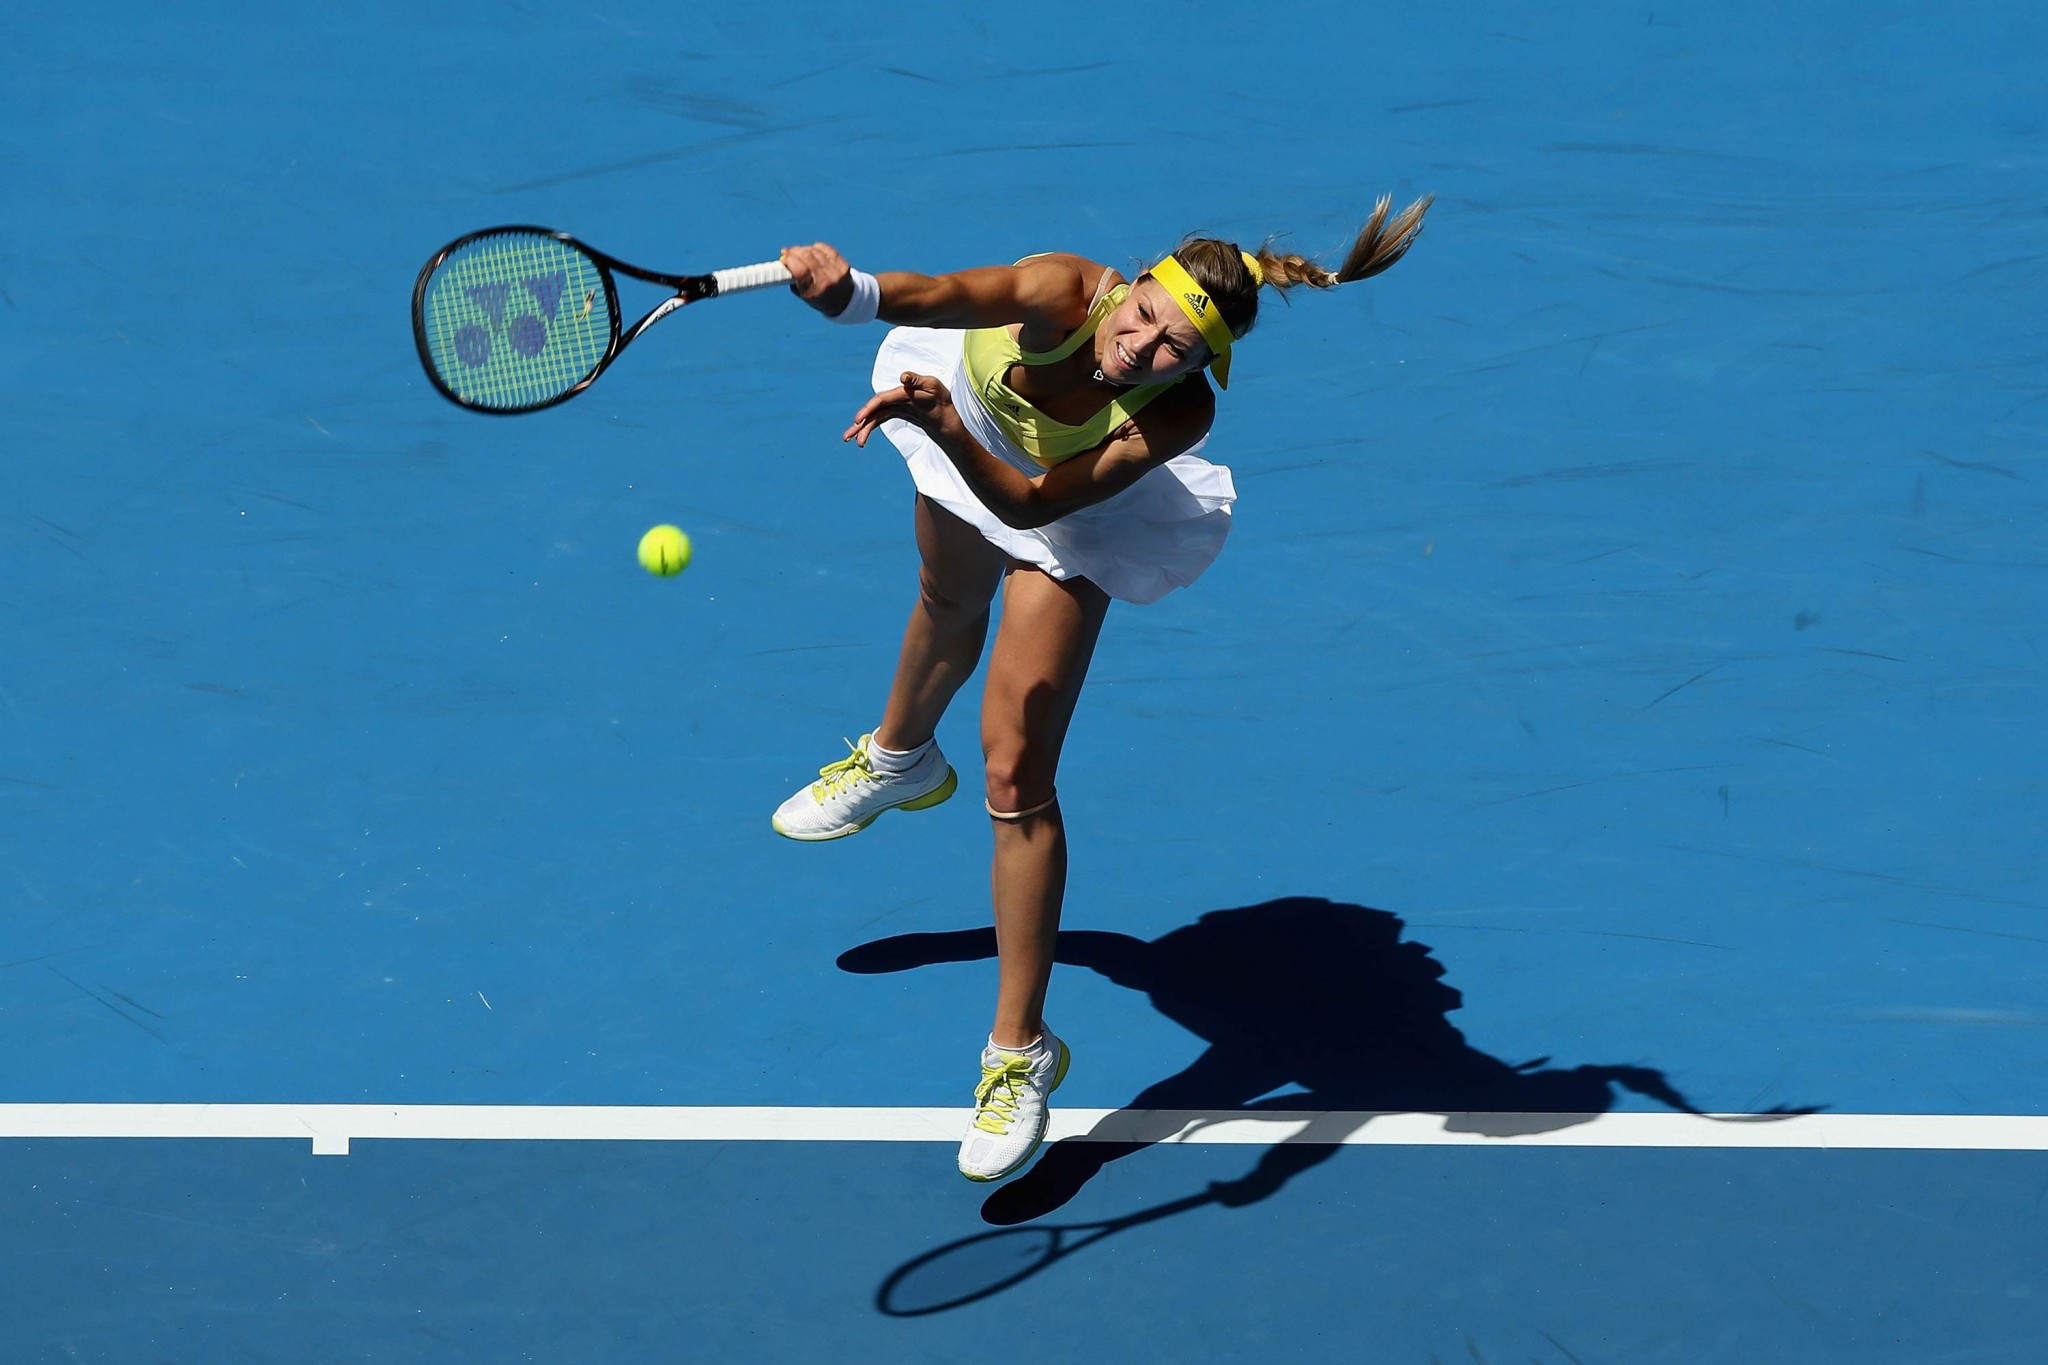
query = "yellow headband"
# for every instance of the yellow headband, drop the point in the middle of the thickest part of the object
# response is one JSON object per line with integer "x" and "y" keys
{"x": 1202, "y": 310}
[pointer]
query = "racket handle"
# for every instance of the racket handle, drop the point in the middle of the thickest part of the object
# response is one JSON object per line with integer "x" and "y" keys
{"x": 742, "y": 278}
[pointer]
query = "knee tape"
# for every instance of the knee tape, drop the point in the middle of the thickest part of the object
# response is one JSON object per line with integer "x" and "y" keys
{"x": 1012, "y": 817}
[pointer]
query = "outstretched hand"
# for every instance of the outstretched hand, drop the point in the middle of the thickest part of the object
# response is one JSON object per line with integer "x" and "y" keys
{"x": 920, "y": 400}
{"x": 819, "y": 276}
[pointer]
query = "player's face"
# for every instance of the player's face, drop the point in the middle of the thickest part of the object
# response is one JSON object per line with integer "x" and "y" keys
{"x": 1146, "y": 339}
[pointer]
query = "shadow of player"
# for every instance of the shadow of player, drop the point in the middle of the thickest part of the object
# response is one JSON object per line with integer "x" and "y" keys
{"x": 1298, "y": 992}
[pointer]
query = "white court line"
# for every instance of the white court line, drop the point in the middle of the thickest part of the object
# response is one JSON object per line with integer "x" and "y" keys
{"x": 331, "y": 1127}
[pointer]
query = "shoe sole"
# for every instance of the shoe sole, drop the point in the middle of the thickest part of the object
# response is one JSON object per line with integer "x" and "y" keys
{"x": 1059, "y": 1074}
{"x": 931, "y": 798}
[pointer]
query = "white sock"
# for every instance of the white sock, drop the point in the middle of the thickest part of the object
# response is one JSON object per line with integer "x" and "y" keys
{"x": 897, "y": 762}
{"x": 1037, "y": 1050}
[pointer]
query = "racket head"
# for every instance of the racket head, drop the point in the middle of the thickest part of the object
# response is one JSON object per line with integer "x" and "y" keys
{"x": 962, "y": 1272}
{"x": 514, "y": 319}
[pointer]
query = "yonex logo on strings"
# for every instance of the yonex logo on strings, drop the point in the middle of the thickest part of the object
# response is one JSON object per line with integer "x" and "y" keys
{"x": 527, "y": 333}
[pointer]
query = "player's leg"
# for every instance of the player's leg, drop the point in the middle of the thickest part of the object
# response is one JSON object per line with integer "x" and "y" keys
{"x": 957, "y": 576}
{"x": 899, "y": 767}
{"x": 1035, "y": 674}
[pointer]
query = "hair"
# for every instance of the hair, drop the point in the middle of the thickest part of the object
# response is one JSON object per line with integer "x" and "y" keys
{"x": 1218, "y": 266}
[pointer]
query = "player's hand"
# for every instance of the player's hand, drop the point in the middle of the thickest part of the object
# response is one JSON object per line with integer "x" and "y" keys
{"x": 819, "y": 276}
{"x": 920, "y": 400}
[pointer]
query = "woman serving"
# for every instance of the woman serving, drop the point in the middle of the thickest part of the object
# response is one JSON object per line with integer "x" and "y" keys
{"x": 1050, "y": 413}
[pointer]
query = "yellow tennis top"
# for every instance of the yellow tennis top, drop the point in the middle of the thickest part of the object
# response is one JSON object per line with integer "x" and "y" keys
{"x": 989, "y": 353}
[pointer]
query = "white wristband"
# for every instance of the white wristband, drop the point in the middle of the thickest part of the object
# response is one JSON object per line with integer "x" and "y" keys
{"x": 866, "y": 302}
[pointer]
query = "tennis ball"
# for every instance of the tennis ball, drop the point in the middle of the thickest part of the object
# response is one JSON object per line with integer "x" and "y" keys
{"x": 664, "y": 551}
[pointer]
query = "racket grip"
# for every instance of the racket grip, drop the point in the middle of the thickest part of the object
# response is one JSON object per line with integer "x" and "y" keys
{"x": 742, "y": 278}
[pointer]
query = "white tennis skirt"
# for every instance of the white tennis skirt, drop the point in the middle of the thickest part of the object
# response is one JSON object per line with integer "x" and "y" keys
{"x": 1157, "y": 535}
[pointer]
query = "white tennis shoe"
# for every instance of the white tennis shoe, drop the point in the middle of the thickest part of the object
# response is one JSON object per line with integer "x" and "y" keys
{"x": 849, "y": 795}
{"x": 1009, "y": 1108}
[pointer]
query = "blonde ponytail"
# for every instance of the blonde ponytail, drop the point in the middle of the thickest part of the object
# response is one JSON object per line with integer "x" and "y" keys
{"x": 1378, "y": 245}
{"x": 1220, "y": 268}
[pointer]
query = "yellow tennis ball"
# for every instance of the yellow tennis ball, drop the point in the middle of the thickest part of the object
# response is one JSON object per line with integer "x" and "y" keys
{"x": 664, "y": 551}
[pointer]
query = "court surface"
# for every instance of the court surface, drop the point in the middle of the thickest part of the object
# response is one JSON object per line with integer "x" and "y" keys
{"x": 1619, "y": 703}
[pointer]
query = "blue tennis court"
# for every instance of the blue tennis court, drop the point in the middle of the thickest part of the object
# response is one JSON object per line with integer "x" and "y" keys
{"x": 1566, "y": 886}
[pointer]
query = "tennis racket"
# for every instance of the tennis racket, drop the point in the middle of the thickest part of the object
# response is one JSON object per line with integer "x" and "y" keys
{"x": 515, "y": 319}
{"x": 973, "y": 1268}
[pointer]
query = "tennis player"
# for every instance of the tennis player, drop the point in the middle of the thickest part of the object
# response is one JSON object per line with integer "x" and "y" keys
{"x": 1052, "y": 413}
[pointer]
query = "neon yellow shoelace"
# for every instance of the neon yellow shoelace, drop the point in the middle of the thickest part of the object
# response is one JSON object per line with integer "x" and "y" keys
{"x": 847, "y": 773}
{"x": 999, "y": 1092}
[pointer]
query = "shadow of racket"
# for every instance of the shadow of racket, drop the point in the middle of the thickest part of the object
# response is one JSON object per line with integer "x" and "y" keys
{"x": 973, "y": 1268}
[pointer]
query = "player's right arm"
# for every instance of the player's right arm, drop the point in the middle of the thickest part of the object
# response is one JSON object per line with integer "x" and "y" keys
{"x": 1052, "y": 291}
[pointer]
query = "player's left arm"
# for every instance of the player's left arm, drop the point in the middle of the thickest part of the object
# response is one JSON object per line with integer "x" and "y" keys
{"x": 1167, "y": 426}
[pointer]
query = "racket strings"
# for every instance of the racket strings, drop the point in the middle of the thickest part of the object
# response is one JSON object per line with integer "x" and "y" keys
{"x": 516, "y": 320}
